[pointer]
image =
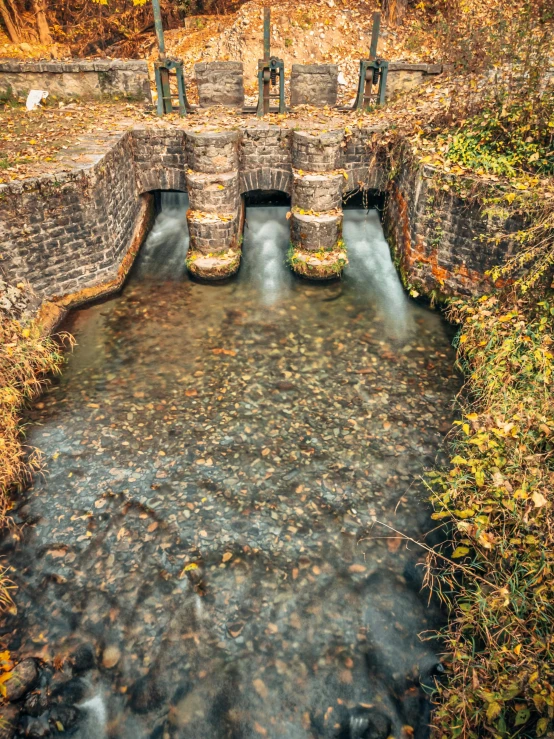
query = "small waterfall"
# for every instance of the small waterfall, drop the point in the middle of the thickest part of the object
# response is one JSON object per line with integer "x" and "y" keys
{"x": 266, "y": 240}
{"x": 163, "y": 254}
{"x": 373, "y": 273}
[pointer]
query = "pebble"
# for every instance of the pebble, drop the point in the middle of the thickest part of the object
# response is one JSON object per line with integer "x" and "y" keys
{"x": 287, "y": 469}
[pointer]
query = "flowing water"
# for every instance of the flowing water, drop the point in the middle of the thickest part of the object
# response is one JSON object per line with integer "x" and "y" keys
{"x": 220, "y": 460}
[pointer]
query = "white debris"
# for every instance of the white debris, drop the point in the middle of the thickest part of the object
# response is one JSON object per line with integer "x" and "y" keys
{"x": 34, "y": 98}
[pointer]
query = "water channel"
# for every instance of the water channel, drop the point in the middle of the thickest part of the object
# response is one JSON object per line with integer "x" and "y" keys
{"x": 218, "y": 459}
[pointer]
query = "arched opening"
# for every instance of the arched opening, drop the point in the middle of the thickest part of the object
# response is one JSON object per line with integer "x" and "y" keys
{"x": 266, "y": 198}
{"x": 366, "y": 199}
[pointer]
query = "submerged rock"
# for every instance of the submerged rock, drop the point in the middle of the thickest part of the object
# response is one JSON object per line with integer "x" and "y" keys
{"x": 8, "y": 721}
{"x": 23, "y": 678}
{"x": 36, "y": 703}
{"x": 147, "y": 693}
{"x": 64, "y": 716}
{"x": 83, "y": 659}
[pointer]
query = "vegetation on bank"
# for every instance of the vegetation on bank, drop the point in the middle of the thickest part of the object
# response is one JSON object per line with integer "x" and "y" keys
{"x": 26, "y": 358}
{"x": 495, "y": 500}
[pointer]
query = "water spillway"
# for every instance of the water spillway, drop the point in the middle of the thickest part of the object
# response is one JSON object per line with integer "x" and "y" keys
{"x": 218, "y": 457}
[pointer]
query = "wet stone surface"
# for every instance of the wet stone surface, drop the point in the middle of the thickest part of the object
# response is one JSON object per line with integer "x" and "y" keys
{"x": 216, "y": 463}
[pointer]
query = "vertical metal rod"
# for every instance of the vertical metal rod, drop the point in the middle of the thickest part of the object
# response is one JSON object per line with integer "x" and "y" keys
{"x": 383, "y": 82}
{"x": 159, "y": 28}
{"x": 267, "y": 34}
{"x": 375, "y": 36}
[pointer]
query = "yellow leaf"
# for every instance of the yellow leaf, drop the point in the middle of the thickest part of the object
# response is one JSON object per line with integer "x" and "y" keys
{"x": 480, "y": 477}
{"x": 466, "y": 513}
{"x": 493, "y": 710}
{"x": 517, "y": 649}
{"x": 459, "y": 552}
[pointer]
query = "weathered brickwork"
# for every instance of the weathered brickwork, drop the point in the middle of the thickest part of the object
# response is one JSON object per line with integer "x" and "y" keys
{"x": 319, "y": 192}
{"x": 220, "y": 83}
{"x": 213, "y": 152}
{"x": 68, "y": 232}
{"x": 363, "y": 169}
{"x": 64, "y": 233}
{"x": 437, "y": 236}
{"x": 214, "y": 228}
{"x": 318, "y": 152}
{"x": 314, "y": 84}
{"x": 212, "y": 235}
{"x": 160, "y": 160}
{"x": 102, "y": 78}
{"x": 313, "y": 233}
{"x": 214, "y": 193}
{"x": 265, "y": 159}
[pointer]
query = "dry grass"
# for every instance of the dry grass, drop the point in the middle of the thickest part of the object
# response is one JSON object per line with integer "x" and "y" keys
{"x": 499, "y": 509}
{"x": 26, "y": 358}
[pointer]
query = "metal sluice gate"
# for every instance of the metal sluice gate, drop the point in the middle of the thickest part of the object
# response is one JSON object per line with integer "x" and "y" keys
{"x": 269, "y": 68}
{"x": 271, "y": 73}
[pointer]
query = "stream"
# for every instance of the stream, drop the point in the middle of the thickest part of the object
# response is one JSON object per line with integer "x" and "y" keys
{"x": 220, "y": 460}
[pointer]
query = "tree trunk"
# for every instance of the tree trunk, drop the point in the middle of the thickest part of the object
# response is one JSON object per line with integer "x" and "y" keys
{"x": 42, "y": 22}
{"x": 394, "y": 10}
{"x": 11, "y": 23}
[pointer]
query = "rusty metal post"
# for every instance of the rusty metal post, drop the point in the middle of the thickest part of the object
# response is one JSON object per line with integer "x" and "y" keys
{"x": 158, "y": 25}
{"x": 375, "y": 36}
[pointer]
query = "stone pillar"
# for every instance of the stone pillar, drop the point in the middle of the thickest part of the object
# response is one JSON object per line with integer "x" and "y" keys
{"x": 314, "y": 84}
{"x": 215, "y": 216}
{"x": 317, "y": 248}
{"x": 220, "y": 83}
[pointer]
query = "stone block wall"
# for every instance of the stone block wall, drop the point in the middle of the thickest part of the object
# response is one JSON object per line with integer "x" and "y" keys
{"x": 265, "y": 159}
{"x": 318, "y": 153}
{"x": 65, "y": 233}
{"x": 214, "y": 219}
{"x": 437, "y": 236}
{"x": 160, "y": 160}
{"x": 314, "y": 84}
{"x": 316, "y": 224}
{"x": 220, "y": 83}
{"x": 404, "y": 77}
{"x": 81, "y": 79}
{"x": 363, "y": 169}
{"x": 69, "y": 232}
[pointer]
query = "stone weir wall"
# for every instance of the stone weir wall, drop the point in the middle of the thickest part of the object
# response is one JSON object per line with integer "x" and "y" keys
{"x": 102, "y": 78}
{"x": 73, "y": 236}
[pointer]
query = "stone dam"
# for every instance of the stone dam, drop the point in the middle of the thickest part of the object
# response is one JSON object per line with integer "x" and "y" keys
{"x": 73, "y": 235}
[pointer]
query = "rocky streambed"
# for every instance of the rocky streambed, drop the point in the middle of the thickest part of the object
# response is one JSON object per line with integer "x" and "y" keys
{"x": 203, "y": 556}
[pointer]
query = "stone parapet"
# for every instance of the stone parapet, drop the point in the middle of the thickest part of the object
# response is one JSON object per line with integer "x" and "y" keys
{"x": 318, "y": 152}
{"x": 220, "y": 83}
{"x": 84, "y": 79}
{"x": 69, "y": 232}
{"x": 212, "y": 153}
{"x": 314, "y": 84}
